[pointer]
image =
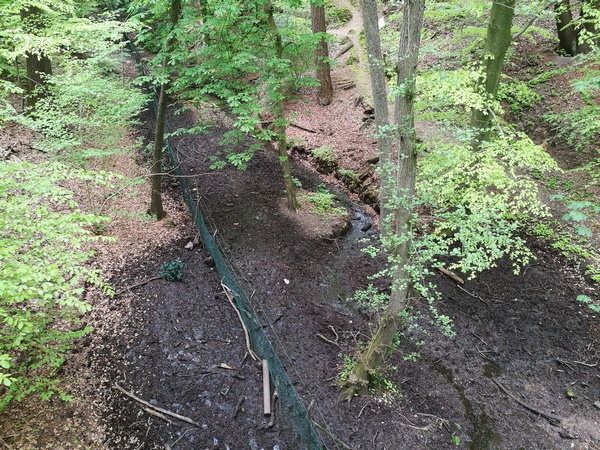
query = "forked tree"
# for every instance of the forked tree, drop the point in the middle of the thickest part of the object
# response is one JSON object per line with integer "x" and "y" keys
{"x": 398, "y": 168}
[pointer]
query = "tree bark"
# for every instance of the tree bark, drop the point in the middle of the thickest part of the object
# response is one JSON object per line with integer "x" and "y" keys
{"x": 323, "y": 72}
{"x": 567, "y": 34}
{"x": 280, "y": 123}
{"x": 590, "y": 15}
{"x": 498, "y": 40}
{"x": 402, "y": 160}
{"x": 38, "y": 65}
{"x": 379, "y": 93}
{"x": 156, "y": 206}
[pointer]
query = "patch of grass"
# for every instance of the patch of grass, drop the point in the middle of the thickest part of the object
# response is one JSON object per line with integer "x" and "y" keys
{"x": 326, "y": 154}
{"x": 321, "y": 202}
{"x": 336, "y": 16}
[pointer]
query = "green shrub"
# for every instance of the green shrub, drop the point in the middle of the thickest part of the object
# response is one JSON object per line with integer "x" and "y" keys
{"x": 42, "y": 275}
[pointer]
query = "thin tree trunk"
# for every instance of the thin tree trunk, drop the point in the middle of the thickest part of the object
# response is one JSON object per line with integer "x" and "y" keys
{"x": 284, "y": 159}
{"x": 403, "y": 166}
{"x": 590, "y": 14}
{"x": 380, "y": 101}
{"x": 156, "y": 206}
{"x": 498, "y": 40}
{"x": 323, "y": 72}
{"x": 38, "y": 65}
{"x": 567, "y": 34}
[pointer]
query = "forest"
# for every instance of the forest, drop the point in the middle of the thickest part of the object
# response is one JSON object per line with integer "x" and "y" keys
{"x": 299, "y": 224}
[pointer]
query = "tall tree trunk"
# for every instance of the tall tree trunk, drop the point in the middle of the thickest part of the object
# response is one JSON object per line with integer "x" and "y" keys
{"x": 567, "y": 34}
{"x": 280, "y": 122}
{"x": 402, "y": 172}
{"x": 497, "y": 41}
{"x": 379, "y": 93}
{"x": 323, "y": 72}
{"x": 38, "y": 65}
{"x": 156, "y": 206}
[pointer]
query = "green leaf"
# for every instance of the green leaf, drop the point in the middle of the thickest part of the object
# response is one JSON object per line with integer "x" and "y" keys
{"x": 584, "y": 298}
{"x": 584, "y": 231}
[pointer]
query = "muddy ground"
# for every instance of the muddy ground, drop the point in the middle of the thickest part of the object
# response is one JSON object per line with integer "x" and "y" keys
{"x": 184, "y": 348}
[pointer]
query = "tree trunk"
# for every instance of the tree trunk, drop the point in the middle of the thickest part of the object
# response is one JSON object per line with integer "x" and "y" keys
{"x": 567, "y": 34}
{"x": 498, "y": 40}
{"x": 280, "y": 123}
{"x": 156, "y": 206}
{"x": 402, "y": 172}
{"x": 590, "y": 15}
{"x": 38, "y": 65}
{"x": 379, "y": 93}
{"x": 323, "y": 72}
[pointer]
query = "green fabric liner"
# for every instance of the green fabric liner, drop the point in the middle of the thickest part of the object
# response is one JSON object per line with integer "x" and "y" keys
{"x": 289, "y": 404}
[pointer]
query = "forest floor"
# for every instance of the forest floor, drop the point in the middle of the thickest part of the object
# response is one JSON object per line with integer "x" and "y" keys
{"x": 525, "y": 350}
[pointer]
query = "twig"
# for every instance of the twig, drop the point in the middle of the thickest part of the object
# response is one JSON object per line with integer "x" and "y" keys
{"x": 182, "y": 435}
{"x": 246, "y": 335}
{"x": 156, "y": 408}
{"x": 330, "y": 434}
{"x": 274, "y": 400}
{"x": 141, "y": 283}
{"x": 472, "y": 295}
{"x": 581, "y": 363}
{"x": 485, "y": 343}
{"x": 329, "y": 340}
{"x": 238, "y": 406}
{"x": 301, "y": 128}
{"x": 530, "y": 22}
{"x": 550, "y": 417}
{"x": 362, "y": 409}
{"x": 157, "y": 414}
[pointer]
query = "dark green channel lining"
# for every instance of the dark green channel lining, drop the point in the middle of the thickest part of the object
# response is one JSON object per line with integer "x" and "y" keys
{"x": 290, "y": 405}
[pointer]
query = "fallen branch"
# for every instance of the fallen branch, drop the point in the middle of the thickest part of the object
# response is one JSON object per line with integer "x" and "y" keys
{"x": 451, "y": 275}
{"x": 141, "y": 283}
{"x": 344, "y": 49}
{"x": 246, "y": 335}
{"x": 156, "y": 408}
{"x": 550, "y": 417}
{"x": 301, "y": 128}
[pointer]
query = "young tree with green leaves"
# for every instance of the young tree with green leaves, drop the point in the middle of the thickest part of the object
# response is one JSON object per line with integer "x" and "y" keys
{"x": 398, "y": 169}
{"x": 156, "y": 206}
{"x": 43, "y": 254}
{"x": 250, "y": 58}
